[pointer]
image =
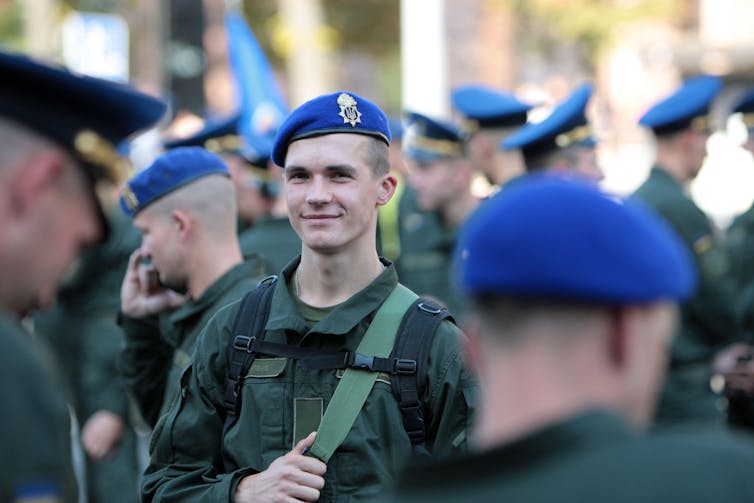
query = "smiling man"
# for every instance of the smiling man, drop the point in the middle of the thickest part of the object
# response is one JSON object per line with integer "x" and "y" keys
{"x": 334, "y": 150}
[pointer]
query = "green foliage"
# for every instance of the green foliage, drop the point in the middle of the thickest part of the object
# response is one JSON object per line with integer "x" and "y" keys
{"x": 11, "y": 25}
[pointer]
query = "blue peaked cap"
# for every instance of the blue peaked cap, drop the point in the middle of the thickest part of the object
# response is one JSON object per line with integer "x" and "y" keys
{"x": 426, "y": 139}
{"x": 170, "y": 171}
{"x": 555, "y": 238}
{"x": 87, "y": 116}
{"x": 485, "y": 107}
{"x": 567, "y": 125}
{"x": 340, "y": 112}
{"x": 224, "y": 136}
{"x": 680, "y": 110}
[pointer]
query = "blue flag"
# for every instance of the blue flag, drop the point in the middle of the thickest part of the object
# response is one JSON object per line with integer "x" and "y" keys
{"x": 263, "y": 108}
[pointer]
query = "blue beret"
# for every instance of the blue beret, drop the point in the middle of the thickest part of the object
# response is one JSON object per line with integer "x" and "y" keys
{"x": 549, "y": 237}
{"x": 341, "y": 112}
{"x": 687, "y": 107}
{"x": 427, "y": 139}
{"x": 567, "y": 125}
{"x": 169, "y": 172}
{"x": 484, "y": 107}
{"x": 85, "y": 115}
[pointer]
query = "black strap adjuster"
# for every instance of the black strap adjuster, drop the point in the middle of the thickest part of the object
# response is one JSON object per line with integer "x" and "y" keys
{"x": 244, "y": 343}
{"x": 405, "y": 366}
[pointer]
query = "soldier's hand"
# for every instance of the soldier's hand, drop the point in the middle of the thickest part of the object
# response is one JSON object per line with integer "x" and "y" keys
{"x": 293, "y": 477}
{"x": 141, "y": 294}
{"x": 101, "y": 434}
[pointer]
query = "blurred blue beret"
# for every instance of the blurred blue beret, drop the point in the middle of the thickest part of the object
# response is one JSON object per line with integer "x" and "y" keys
{"x": 341, "y": 112}
{"x": 567, "y": 125}
{"x": 170, "y": 171}
{"x": 427, "y": 139}
{"x": 222, "y": 136}
{"x": 745, "y": 105}
{"x": 396, "y": 128}
{"x": 87, "y": 116}
{"x": 484, "y": 107}
{"x": 554, "y": 238}
{"x": 687, "y": 107}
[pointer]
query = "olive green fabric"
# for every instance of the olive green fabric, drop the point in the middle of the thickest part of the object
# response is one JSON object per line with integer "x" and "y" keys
{"x": 187, "y": 449}
{"x": 158, "y": 349}
{"x": 274, "y": 239}
{"x": 739, "y": 240}
{"x": 82, "y": 332}
{"x": 426, "y": 248}
{"x": 708, "y": 320}
{"x": 35, "y": 442}
{"x": 590, "y": 458}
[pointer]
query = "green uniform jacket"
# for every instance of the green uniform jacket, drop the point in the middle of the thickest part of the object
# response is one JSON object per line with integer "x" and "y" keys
{"x": 274, "y": 239}
{"x": 35, "y": 442}
{"x": 590, "y": 458}
{"x": 426, "y": 252}
{"x": 740, "y": 243}
{"x": 187, "y": 447}
{"x": 708, "y": 319}
{"x": 158, "y": 350}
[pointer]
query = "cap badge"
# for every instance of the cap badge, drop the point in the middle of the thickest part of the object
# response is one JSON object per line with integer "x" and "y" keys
{"x": 130, "y": 198}
{"x": 348, "y": 109}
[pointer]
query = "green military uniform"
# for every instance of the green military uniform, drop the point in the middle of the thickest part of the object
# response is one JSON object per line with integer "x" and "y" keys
{"x": 592, "y": 457}
{"x": 35, "y": 424}
{"x": 708, "y": 320}
{"x": 274, "y": 239}
{"x": 188, "y": 447}
{"x": 158, "y": 349}
{"x": 740, "y": 243}
{"x": 82, "y": 332}
{"x": 426, "y": 254}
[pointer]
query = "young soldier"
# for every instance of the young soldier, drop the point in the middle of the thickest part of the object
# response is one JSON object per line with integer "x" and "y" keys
{"x": 334, "y": 152}
{"x": 58, "y": 133}
{"x": 575, "y": 297}
{"x": 184, "y": 207}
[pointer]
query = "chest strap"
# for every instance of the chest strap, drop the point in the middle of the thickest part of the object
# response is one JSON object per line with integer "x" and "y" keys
{"x": 356, "y": 383}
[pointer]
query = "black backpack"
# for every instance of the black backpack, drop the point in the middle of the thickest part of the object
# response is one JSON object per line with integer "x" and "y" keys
{"x": 407, "y": 363}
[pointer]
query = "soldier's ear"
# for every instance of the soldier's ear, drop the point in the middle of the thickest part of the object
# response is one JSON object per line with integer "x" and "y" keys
{"x": 35, "y": 174}
{"x": 388, "y": 183}
{"x": 183, "y": 222}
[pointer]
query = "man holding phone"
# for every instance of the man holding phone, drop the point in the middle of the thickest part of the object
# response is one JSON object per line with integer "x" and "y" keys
{"x": 188, "y": 266}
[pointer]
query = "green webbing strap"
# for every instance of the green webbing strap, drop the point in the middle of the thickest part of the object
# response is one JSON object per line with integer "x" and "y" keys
{"x": 355, "y": 385}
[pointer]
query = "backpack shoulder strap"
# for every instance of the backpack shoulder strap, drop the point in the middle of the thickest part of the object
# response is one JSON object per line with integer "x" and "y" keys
{"x": 248, "y": 326}
{"x": 415, "y": 337}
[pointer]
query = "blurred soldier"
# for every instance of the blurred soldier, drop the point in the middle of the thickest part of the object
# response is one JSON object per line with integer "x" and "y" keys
{"x": 490, "y": 116}
{"x": 562, "y": 142}
{"x": 440, "y": 174}
{"x": 572, "y": 324}
{"x": 58, "y": 133}
{"x": 681, "y": 126}
{"x": 313, "y": 329}
{"x": 83, "y": 334}
{"x": 183, "y": 206}
{"x": 740, "y": 234}
{"x": 735, "y": 364}
{"x": 263, "y": 226}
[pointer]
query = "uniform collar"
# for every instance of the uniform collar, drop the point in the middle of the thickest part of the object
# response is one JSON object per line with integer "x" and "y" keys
{"x": 660, "y": 174}
{"x": 221, "y": 285}
{"x": 284, "y": 315}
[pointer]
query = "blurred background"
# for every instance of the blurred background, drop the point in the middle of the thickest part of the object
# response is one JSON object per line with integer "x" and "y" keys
{"x": 408, "y": 54}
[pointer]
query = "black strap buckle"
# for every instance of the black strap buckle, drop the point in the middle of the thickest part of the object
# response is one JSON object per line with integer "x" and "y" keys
{"x": 405, "y": 366}
{"x": 244, "y": 343}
